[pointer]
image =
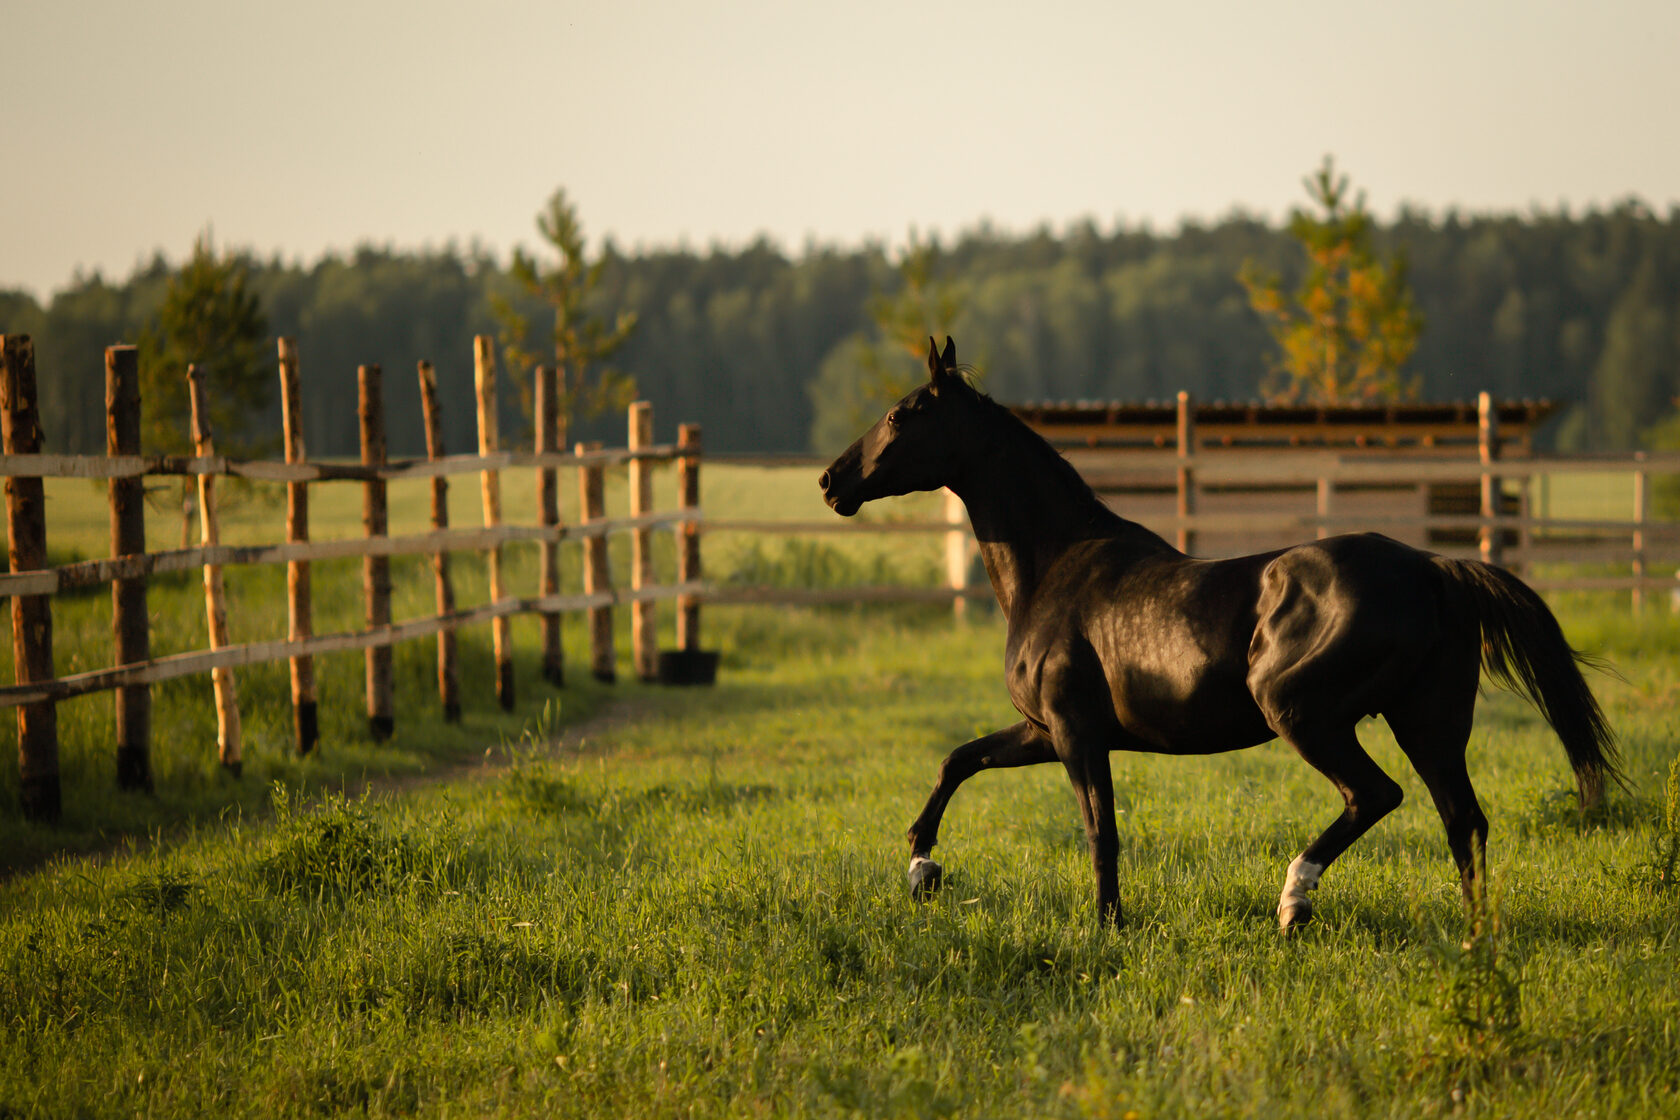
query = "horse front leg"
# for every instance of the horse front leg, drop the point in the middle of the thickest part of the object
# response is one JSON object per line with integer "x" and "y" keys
{"x": 1093, "y": 788}
{"x": 1020, "y": 745}
{"x": 1084, "y": 729}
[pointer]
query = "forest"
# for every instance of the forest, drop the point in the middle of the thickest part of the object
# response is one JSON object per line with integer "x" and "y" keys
{"x": 759, "y": 345}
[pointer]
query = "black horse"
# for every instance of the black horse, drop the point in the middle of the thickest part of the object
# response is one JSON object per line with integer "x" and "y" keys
{"x": 1118, "y": 641}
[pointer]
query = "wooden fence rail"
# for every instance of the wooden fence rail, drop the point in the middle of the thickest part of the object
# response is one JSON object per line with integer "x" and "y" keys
{"x": 31, "y": 582}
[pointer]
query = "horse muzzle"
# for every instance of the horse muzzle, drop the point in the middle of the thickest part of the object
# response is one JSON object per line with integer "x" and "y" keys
{"x": 842, "y": 481}
{"x": 845, "y": 504}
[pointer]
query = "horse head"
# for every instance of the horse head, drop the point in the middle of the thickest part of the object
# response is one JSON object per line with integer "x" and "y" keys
{"x": 917, "y": 445}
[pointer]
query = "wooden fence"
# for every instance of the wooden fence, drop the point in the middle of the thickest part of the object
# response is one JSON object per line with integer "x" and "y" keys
{"x": 1203, "y": 497}
{"x": 1217, "y": 501}
{"x": 31, "y": 582}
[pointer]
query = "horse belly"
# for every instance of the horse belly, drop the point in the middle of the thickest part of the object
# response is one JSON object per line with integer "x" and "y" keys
{"x": 1174, "y": 712}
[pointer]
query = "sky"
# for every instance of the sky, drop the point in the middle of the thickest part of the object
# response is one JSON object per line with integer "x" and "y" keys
{"x": 305, "y": 128}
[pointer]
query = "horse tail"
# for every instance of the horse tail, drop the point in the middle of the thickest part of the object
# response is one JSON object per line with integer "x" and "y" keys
{"x": 1524, "y": 649}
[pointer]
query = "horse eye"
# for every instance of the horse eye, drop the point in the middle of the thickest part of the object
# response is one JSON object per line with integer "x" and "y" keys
{"x": 892, "y": 418}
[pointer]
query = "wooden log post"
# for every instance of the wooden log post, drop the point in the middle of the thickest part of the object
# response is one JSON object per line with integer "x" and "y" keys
{"x": 1326, "y": 505}
{"x": 551, "y": 437}
{"x": 644, "y": 619}
{"x": 229, "y": 747}
{"x": 956, "y": 552}
{"x": 1186, "y": 475}
{"x": 131, "y": 632}
{"x": 597, "y": 575}
{"x": 484, "y": 378}
{"x": 1641, "y": 518}
{"x": 449, "y": 679}
{"x": 376, "y": 570}
{"x": 688, "y": 535}
{"x": 300, "y": 612}
{"x": 1487, "y": 448}
{"x": 1525, "y": 519}
{"x": 39, "y": 793}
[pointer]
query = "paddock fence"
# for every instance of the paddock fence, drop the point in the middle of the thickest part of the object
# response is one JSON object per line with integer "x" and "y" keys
{"x": 31, "y": 582}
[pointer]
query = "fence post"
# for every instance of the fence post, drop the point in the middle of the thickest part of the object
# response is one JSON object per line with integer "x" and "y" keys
{"x": 26, "y": 533}
{"x": 597, "y": 576}
{"x": 1525, "y": 520}
{"x": 1186, "y": 476}
{"x": 228, "y": 734}
{"x": 688, "y": 535}
{"x": 644, "y": 621}
{"x": 376, "y": 570}
{"x": 300, "y": 620}
{"x": 1487, "y": 446}
{"x": 484, "y": 378}
{"x": 1326, "y": 502}
{"x": 131, "y": 636}
{"x": 956, "y": 553}
{"x": 550, "y": 438}
{"x": 449, "y": 681}
{"x": 1641, "y": 517}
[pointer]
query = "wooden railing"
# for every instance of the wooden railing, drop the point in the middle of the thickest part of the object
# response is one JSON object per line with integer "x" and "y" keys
{"x": 1171, "y": 494}
{"x": 32, "y": 582}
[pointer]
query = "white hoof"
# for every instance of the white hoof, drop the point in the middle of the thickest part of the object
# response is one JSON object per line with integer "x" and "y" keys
{"x": 925, "y": 877}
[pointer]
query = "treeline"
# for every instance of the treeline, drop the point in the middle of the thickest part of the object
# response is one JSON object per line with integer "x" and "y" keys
{"x": 1582, "y": 308}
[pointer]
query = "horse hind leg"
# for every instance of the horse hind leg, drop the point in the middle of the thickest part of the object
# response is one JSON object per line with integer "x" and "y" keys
{"x": 1433, "y": 729}
{"x": 1368, "y": 795}
{"x": 1019, "y": 745}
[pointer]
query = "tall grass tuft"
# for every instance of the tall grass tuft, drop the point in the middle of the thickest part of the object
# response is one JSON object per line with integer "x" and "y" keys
{"x": 1480, "y": 1000}
{"x": 339, "y": 849}
{"x": 1660, "y": 871}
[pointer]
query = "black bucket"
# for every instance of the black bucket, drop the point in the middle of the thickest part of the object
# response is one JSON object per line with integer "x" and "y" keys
{"x": 688, "y": 666}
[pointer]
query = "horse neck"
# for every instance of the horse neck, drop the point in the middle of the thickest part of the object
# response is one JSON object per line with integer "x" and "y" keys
{"x": 1028, "y": 508}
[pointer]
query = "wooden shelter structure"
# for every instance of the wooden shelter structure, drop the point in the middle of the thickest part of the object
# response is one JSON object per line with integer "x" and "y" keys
{"x": 1431, "y": 428}
{"x": 1155, "y": 461}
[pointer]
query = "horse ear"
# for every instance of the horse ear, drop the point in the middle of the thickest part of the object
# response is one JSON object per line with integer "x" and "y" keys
{"x": 941, "y": 368}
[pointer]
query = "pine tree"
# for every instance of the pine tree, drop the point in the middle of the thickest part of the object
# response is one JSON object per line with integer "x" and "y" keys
{"x": 581, "y": 340}
{"x": 210, "y": 318}
{"x": 1353, "y": 323}
{"x": 864, "y": 375}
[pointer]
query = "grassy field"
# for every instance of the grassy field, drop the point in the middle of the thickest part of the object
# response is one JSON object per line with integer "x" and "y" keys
{"x": 703, "y": 912}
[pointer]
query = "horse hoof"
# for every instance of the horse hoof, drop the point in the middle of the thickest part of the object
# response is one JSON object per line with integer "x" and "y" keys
{"x": 1295, "y": 914}
{"x": 925, "y": 877}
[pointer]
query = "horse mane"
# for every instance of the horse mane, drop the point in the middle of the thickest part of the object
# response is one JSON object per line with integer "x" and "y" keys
{"x": 1103, "y": 520}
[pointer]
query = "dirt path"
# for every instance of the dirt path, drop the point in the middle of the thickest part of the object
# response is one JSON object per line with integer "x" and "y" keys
{"x": 590, "y": 736}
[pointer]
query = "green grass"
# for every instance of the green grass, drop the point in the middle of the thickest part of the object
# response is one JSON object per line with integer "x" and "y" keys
{"x": 704, "y": 913}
